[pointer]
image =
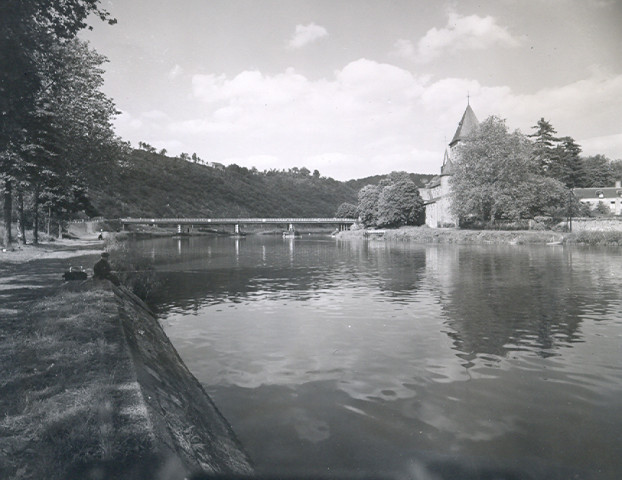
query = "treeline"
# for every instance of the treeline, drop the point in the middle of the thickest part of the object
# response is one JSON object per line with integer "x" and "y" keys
{"x": 500, "y": 175}
{"x": 145, "y": 184}
{"x": 54, "y": 119}
{"x": 560, "y": 158}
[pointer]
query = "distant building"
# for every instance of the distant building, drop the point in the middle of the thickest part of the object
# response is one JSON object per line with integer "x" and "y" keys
{"x": 609, "y": 196}
{"x": 436, "y": 194}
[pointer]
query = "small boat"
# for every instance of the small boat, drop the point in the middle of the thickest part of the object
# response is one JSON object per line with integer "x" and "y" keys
{"x": 291, "y": 234}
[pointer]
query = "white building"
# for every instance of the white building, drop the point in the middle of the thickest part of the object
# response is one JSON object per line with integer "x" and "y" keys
{"x": 609, "y": 196}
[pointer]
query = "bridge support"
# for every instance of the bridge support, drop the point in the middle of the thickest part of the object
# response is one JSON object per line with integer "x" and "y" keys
{"x": 291, "y": 227}
{"x": 237, "y": 228}
{"x": 178, "y": 228}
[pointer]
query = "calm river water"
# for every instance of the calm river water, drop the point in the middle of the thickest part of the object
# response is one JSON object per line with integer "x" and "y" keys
{"x": 335, "y": 356}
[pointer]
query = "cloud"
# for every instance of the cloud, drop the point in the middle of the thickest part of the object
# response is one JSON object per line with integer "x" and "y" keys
{"x": 461, "y": 33}
{"x": 366, "y": 118}
{"x": 306, "y": 34}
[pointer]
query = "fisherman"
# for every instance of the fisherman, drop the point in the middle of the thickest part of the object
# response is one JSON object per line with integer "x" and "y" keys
{"x": 103, "y": 271}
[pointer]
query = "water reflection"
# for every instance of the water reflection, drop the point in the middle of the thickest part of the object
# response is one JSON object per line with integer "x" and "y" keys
{"x": 364, "y": 355}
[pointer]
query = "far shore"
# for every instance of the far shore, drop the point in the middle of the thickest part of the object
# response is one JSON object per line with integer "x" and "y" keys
{"x": 496, "y": 237}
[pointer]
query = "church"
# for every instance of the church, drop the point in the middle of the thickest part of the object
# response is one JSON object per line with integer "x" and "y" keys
{"x": 436, "y": 193}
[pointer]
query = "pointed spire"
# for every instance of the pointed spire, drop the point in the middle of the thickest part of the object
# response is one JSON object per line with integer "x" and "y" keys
{"x": 467, "y": 125}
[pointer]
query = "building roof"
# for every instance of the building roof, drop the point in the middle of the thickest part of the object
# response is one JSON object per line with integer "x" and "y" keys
{"x": 597, "y": 193}
{"x": 467, "y": 125}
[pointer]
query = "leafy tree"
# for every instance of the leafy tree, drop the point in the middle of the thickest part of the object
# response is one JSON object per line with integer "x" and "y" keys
{"x": 28, "y": 30}
{"x": 616, "y": 169}
{"x": 368, "y": 204}
{"x": 496, "y": 176}
{"x": 400, "y": 204}
{"x": 394, "y": 202}
{"x": 347, "y": 210}
{"x": 598, "y": 171}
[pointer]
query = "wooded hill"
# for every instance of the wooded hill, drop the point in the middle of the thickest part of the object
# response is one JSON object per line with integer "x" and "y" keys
{"x": 147, "y": 184}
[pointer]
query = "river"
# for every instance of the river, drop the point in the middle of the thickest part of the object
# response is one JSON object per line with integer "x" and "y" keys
{"x": 331, "y": 356}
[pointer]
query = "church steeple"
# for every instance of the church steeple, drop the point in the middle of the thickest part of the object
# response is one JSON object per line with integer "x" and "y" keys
{"x": 468, "y": 124}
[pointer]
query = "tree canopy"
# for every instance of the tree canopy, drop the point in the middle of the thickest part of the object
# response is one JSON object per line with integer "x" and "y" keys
{"x": 497, "y": 177}
{"x": 52, "y": 114}
{"x": 394, "y": 202}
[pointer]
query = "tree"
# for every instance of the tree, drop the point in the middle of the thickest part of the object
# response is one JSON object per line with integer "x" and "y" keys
{"x": 394, "y": 202}
{"x": 400, "y": 204}
{"x": 598, "y": 171}
{"x": 496, "y": 176}
{"x": 347, "y": 210}
{"x": 28, "y": 30}
{"x": 544, "y": 144}
{"x": 569, "y": 167}
{"x": 368, "y": 204}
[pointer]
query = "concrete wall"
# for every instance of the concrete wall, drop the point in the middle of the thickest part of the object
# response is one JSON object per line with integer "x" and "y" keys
{"x": 602, "y": 224}
{"x": 181, "y": 430}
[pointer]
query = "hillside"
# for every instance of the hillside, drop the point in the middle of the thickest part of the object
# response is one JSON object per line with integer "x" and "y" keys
{"x": 149, "y": 184}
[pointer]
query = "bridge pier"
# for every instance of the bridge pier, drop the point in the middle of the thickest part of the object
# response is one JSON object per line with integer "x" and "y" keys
{"x": 291, "y": 227}
{"x": 237, "y": 229}
{"x": 178, "y": 229}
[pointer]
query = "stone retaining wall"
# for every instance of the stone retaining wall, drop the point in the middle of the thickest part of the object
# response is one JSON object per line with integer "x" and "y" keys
{"x": 602, "y": 224}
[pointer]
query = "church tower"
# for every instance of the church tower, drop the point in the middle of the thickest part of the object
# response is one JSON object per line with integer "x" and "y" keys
{"x": 436, "y": 194}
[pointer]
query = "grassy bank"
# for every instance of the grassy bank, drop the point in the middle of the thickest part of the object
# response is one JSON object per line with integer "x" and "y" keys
{"x": 498, "y": 237}
{"x": 61, "y": 388}
{"x": 92, "y": 388}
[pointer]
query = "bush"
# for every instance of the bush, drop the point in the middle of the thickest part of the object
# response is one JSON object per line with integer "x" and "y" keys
{"x": 134, "y": 271}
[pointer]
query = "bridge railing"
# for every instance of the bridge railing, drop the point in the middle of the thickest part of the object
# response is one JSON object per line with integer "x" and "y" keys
{"x": 246, "y": 220}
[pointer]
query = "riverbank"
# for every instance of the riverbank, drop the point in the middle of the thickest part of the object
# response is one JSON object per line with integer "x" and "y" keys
{"x": 483, "y": 237}
{"x": 91, "y": 387}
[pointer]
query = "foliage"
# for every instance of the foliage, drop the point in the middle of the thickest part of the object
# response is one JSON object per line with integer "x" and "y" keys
{"x": 496, "y": 177}
{"x": 420, "y": 180}
{"x": 347, "y": 210}
{"x": 368, "y": 198}
{"x": 394, "y": 202}
{"x": 47, "y": 83}
{"x": 598, "y": 172}
{"x": 144, "y": 184}
{"x": 400, "y": 204}
{"x": 544, "y": 142}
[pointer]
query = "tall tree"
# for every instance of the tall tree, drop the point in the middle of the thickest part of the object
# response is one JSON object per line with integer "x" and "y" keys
{"x": 571, "y": 168}
{"x": 27, "y": 30}
{"x": 544, "y": 144}
{"x": 496, "y": 177}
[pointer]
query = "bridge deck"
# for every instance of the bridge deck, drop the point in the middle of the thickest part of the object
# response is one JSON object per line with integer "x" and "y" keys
{"x": 230, "y": 221}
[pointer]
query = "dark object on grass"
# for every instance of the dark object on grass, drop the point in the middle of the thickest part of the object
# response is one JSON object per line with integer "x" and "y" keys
{"x": 72, "y": 274}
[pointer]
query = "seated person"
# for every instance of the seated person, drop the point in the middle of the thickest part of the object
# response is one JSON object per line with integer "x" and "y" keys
{"x": 103, "y": 271}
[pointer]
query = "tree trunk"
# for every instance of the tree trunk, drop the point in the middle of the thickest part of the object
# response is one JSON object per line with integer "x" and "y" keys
{"x": 8, "y": 209}
{"x": 60, "y": 230}
{"x": 35, "y": 226}
{"x": 49, "y": 219}
{"x": 21, "y": 227}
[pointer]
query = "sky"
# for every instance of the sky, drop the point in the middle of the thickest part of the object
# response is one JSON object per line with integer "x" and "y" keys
{"x": 355, "y": 88}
